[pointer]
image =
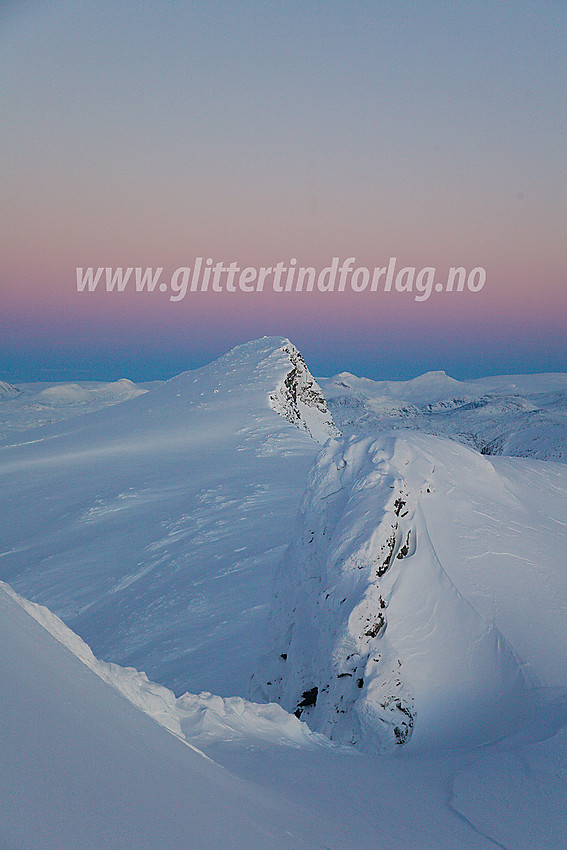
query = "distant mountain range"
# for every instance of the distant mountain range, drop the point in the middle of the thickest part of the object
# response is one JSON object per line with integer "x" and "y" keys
{"x": 518, "y": 415}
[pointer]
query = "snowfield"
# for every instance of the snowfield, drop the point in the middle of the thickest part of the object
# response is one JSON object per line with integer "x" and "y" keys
{"x": 353, "y": 641}
{"x": 148, "y": 525}
{"x": 519, "y": 415}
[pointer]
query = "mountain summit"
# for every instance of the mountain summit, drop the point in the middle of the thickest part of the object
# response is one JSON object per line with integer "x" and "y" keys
{"x": 151, "y": 519}
{"x": 300, "y": 400}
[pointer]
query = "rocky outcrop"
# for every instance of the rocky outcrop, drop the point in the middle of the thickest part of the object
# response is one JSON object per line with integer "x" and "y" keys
{"x": 334, "y": 666}
{"x": 300, "y": 400}
{"x": 8, "y": 391}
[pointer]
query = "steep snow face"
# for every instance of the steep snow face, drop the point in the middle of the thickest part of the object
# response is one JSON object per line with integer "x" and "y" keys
{"x": 373, "y": 641}
{"x": 299, "y": 399}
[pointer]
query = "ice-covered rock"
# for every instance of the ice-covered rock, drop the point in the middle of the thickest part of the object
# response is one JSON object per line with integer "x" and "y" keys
{"x": 300, "y": 400}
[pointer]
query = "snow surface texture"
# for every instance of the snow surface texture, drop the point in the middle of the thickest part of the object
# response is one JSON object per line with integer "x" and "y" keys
{"x": 147, "y": 526}
{"x": 519, "y": 415}
{"x": 419, "y": 614}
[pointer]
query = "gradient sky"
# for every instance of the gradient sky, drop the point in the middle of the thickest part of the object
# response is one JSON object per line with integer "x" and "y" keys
{"x": 149, "y": 133}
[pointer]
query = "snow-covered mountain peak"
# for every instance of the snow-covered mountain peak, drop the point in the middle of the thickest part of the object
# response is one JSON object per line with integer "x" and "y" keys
{"x": 158, "y": 496}
{"x": 299, "y": 398}
{"x": 273, "y": 369}
{"x": 433, "y": 387}
{"x": 510, "y": 415}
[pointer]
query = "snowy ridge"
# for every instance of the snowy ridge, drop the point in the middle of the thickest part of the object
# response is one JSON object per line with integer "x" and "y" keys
{"x": 191, "y": 717}
{"x": 110, "y": 393}
{"x": 39, "y": 404}
{"x": 153, "y": 699}
{"x": 300, "y": 400}
{"x": 373, "y": 642}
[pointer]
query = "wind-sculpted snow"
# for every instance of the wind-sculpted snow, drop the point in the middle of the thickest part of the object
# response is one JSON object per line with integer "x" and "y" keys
{"x": 372, "y": 641}
{"x": 144, "y": 525}
{"x": 192, "y": 717}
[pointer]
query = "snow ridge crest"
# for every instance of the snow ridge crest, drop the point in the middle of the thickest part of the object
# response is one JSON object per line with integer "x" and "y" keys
{"x": 372, "y": 643}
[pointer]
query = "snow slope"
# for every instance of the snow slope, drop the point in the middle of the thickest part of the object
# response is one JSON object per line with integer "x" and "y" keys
{"x": 518, "y": 415}
{"x": 419, "y": 614}
{"x": 84, "y": 764}
{"x": 146, "y": 525}
{"x": 82, "y": 767}
{"x": 395, "y": 622}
